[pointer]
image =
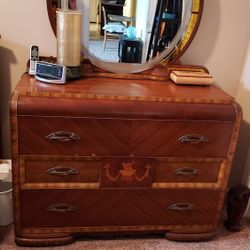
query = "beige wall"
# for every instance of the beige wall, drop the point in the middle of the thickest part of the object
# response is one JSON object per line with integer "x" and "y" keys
{"x": 22, "y": 23}
{"x": 221, "y": 44}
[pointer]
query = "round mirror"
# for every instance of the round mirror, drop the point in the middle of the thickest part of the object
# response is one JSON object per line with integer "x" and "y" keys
{"x": 129, "y": 36}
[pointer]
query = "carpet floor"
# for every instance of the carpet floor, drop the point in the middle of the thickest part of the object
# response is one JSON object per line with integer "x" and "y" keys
{"x": 224, "y": 241}
{"x": 110, "y": 54}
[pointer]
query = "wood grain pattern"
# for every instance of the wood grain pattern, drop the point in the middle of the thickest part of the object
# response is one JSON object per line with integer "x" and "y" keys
{"x": 46, "y": 106}
{"x": 233, "y": 142}
{"x": 118, "y": 207}
{"x": 162, "y": 138}
{"x": 133, "y": 90}
{"x": 187, "y": 171}
{"x": 114, "y": 230}
{"x": 34, "y": 172}
{"x": 140, "y": 138}
{"x": 116, "y": 122}
{"x": 44, "y": 242}
{"x": 15, "y": 166}
{"x": 190, "y": 237}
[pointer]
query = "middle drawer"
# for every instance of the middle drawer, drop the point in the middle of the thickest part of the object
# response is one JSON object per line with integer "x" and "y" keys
{"x": 104, "y": 172}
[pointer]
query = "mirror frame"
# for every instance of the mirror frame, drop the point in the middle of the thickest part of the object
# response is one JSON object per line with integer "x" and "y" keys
{"x": 164, "y": 59}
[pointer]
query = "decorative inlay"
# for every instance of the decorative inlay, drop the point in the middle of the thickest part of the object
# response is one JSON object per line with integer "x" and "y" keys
{"x": 127, "y": 172}
{"x": 118, "y": 172}
{"x": 123, "y": 98}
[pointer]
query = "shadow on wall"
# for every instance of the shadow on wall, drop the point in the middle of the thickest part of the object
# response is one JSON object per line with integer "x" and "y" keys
{"x": 7, "y": 58}
{"x": 241, "y": 169}
{"x": 205, "y": 39}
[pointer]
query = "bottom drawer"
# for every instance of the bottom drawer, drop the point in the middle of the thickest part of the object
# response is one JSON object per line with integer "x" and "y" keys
{"x": 116, "y": 207}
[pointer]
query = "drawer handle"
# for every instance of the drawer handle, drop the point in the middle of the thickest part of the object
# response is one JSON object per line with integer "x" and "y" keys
{"x": 193, "y": 139}
{"x": 62, "y": 171}
{"x": 181, "y": 207}
{"x": 61, "y": 208}
{"x": 63, "y": 136}
{"x": 185, "y": 171}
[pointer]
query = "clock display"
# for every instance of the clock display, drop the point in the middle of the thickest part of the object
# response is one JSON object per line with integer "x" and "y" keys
{"x": 50, "y": 72}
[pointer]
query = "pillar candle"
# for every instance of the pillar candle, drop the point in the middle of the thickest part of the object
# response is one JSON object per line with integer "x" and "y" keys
{"x": 69, "y": 37}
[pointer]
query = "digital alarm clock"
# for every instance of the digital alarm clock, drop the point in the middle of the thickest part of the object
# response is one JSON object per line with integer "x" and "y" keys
{"x": 50, "y": 72}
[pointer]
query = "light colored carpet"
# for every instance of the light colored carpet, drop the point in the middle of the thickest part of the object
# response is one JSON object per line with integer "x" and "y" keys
{"x": 225, "y": 241}
{"x": 111, "y": 52}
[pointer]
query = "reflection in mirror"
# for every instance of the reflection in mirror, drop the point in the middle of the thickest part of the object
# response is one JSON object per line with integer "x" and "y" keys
{"x": 150, "y": 31}
{"x": 132, "y": 31}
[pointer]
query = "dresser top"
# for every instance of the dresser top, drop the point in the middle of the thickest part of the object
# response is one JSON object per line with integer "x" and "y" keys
{"x": 123, "y": 89}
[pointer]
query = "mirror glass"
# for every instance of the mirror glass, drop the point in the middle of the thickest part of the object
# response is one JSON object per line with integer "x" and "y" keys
{"x": 129, "y": 36}
{"x": 142, "y": 28}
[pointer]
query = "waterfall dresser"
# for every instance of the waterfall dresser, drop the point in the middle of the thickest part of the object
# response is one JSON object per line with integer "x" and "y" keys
{"x": 108, "y": 156}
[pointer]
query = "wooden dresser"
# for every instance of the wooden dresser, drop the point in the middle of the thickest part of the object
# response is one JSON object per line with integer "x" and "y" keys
{"x": 120, "y": 156}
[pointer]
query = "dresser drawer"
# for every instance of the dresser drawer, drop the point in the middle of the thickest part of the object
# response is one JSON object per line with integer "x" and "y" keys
{"x": 117, "y": 172}
{"x": 59, "y": 172}
{"x": 181, "y": 138}
{"x": 115, "y": 137}
{"x": 113, "y": 207}
{"x": 73, "y": 136}
{"x": 188, "y": 171}
{"x": 161, "y": 173}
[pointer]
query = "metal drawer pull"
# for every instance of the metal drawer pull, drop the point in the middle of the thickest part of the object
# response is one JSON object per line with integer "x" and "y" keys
{"x": 182, "y": 207}
{"x": 63, "y": 136}
{"x": 61, "y": 208}
{"x": 62, "y": 171}
{"x": 193, "y": 139}
{"x": 185, "y": 171}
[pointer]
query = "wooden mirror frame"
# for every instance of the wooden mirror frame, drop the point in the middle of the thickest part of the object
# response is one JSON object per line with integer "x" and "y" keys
{"x": 168, "y": 63}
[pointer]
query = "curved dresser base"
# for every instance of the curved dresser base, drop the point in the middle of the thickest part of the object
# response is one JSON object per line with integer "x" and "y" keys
{"x": 44, "y": 242}
{"x": 64, "y": 240}
{"x": 190, "y": 237}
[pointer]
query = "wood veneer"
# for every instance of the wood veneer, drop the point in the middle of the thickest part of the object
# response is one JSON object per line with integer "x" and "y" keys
{"x": 127, "y": 156}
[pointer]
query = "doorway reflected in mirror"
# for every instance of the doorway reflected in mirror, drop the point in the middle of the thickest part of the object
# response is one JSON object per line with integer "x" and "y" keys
{"x": 156, "y": 23}
{"x": 160, "y": 42}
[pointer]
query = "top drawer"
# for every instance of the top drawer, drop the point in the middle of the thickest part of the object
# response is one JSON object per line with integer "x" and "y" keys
{"x": 125, "y": 109}
{"x": 122, "y": 137}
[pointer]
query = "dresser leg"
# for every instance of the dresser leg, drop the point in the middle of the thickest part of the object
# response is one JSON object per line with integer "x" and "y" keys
{"x": 190, "y": 237}
{"x": 44, "y": 242}
{"x": 237, "y": 202}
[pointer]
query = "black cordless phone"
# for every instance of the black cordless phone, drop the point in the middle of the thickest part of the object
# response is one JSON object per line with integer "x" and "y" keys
{"x": 34, "y": 57}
